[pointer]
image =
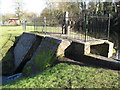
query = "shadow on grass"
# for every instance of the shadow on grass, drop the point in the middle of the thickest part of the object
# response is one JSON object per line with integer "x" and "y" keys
{"x": 92, "y": 62}
{"x": 8, "y": 60}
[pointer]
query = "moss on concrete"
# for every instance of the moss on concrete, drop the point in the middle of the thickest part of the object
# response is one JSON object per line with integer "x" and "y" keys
{"x": 27, "y": 70}
{"x": 44, "y": 59}
{"x": 114, "y": 52}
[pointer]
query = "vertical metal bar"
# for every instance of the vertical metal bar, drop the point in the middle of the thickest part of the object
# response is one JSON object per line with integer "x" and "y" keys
{"x": 63, "y": 24}
{"x": 85, "y": 28}
{"x": 34, "y": 24}
{"x": 100, "y": 26}
{"x": 108, "y": 26}
{"x": 45, "y": 24}
{"x": 42, "y": 24}
{"x": 92, "y": 27}
{"x": 66, "y": 22}
{"x": 96, "y": 26}
{"x": 88, "y": 27}
{"x": 25, "y": 24}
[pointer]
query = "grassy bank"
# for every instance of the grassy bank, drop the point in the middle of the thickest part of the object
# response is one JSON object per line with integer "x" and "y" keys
{"x": 7, "y": 37}
{"x": 65, "y": 75}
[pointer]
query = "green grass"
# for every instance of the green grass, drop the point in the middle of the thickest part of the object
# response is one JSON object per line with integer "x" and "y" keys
{"x": 65, "y": 75}
{"x": 49, "y": 29}
{"x": 7, "y": 37}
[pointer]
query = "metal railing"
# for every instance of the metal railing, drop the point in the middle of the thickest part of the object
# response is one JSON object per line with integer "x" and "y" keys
{"x": 83, "y": 27}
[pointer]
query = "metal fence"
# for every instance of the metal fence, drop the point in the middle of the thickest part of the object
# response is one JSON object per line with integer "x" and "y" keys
{"x": 84, "y": 27}
{"x": 49, "y": 25}
{"x": 98, "y": 26}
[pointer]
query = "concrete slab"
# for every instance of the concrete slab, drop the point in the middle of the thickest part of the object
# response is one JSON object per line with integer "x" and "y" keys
{"x": 45, "y": 55}
{"x": 22, "y": 47}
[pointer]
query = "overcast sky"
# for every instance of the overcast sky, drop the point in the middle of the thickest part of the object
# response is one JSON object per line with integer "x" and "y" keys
{"x": 7, "y": 6}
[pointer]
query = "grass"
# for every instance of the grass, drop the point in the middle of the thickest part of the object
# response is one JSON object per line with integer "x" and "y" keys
{"x": 65, "y": 75}
{"x": 7, "y": 37}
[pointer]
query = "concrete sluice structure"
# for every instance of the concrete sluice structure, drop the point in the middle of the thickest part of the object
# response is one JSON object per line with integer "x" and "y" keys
{"x": 34, "y": 52}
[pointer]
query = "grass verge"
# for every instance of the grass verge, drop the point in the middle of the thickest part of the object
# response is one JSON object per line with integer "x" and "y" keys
{"x": 65, "y": 75}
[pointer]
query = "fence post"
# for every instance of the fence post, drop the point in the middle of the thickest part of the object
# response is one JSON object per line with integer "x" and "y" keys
{"x": 66, "y": 23}
{"x": 24, "y": 25}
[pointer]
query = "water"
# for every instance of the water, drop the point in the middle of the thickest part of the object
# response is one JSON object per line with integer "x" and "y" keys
{"x": 6, "y": 79}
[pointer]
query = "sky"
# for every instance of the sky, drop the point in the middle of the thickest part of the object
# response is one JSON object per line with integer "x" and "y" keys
{"x": 36, "y": 6}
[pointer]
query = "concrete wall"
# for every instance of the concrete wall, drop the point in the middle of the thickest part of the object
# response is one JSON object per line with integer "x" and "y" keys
{"x": 76, "y": 51}
{"x": 45, "y": 55}
{"x": 34, "y": 52}
{"x": 35, "y": 49}
{"x": 24, "y": 49}
{"x": 100, "y": 47}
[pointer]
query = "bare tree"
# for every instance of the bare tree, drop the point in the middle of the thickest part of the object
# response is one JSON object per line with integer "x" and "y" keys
{"x": 18, "y": 8}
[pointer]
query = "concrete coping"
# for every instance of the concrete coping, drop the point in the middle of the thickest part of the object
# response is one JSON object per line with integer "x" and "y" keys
{"x": 108, "y": 42}
{"x": 94, "y": 42}
{"x": 103, "y": 58}
{"x": 55, "y": 37}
